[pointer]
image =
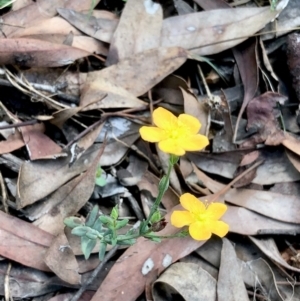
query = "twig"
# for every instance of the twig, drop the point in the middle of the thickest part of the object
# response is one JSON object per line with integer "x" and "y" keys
{"x": 108, "y": 256}
{"x": 228, "y": 186}
{"x": 19, "y": 124}
{"x": 3, "y": 193}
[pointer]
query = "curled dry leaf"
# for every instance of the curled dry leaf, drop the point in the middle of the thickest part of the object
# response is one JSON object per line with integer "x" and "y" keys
{"x": 188, "y": 286}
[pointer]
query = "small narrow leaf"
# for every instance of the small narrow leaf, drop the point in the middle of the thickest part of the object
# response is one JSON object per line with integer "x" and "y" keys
{"x": 87, "y": 246}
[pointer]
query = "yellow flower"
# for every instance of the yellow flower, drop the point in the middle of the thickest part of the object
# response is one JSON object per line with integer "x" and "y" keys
{"x": 202, "y": 220}
{"x": 174, "y": 135}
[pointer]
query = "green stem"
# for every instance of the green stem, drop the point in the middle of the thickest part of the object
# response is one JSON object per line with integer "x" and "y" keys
{"x": 172, "y": 161}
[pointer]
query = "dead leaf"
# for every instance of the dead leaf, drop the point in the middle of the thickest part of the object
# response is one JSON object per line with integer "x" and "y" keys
{"x": 172, "y": 282}
{"x": 24, "y": 281}
{"x": 13, "y": 142}
{"x": 38, "y": 179}
{"x": 61, "y": 260}
{"x": 268, "y": 247}
{"x": 23, "y": 242}
{"x": 131, "y": 77}
{"x": 262, "y": 116}
{"x": 133, "y": 34}
{"x": 68, "y": 199}
{"x": 40, "y": 146}
{"x": 98, "y": 28}
{"x": 246, "y": 222}
{"x": 230, "y": 280}
{"x": 37, "y": 53}
{"x": 281, "y": 207}
{"x": 245, "y": 56}
{"x": 210, "y": 32}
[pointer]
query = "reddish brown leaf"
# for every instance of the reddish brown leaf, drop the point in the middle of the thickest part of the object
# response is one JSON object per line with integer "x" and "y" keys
{"x": 23, "y": 242}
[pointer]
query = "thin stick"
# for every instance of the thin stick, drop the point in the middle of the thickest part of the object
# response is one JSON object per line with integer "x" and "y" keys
{"x": 18, "y": 124}
{"x": 228, "y": 186}
{"x": 100, "y": 266}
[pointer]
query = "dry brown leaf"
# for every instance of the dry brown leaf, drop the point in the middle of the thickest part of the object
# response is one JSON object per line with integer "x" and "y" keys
{"x": 188, "y": 286}
{"x": 13, "y": 142}
{"x": 23, "y": 242}
{"x": 262, "y": 116}
{"x": 55, "y": 25}
{"x": 210, "y": 32}
{"x": 276, "y": 167}
{"x": 246, "y": 222}
{"x": 138, "y": 30}
{"x": 98, "y": 28}
{"x": 62, "y": 261}
{"x": 38, "y": 11}
{"x": 37, "y": 53}
{"x": 131, "y": 77}
{"x": 245, "y": 56}
{"x": 39, "y": 146}
{"x": 68, "y": 199}
{"x": 269, "y": 248}
{"x": 281, "y": 207}
{"x": 197, "y": 109}
{"x": 38, "y": 179}
{"x": 230, "y": 279}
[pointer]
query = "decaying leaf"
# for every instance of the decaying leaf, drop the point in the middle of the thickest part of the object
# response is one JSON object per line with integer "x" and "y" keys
{"x": 37, "y": 53}
{"x": 121, "y": 83}
{"x": 133, "y": 34}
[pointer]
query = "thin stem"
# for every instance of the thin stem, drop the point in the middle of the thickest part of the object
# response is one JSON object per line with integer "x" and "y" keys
{"x": 108, "y": 256}
{"x": 160, "y": 193}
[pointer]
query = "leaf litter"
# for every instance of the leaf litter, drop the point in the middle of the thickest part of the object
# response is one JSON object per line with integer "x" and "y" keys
{"x": 82, "y": 77}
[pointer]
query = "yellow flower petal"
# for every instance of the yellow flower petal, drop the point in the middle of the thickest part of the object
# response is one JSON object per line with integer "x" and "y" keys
{"x": 193, "y": 143}
{"x": 192, "y": 204}
{"x": 191, "y": 122}
{"x": 170, "y": 146}
{"x": 181, "y": 218}
{"x": 216, "y": 210}
{"x": 164, "y": 119}
{"x": 152, "y": 134}
{"x": 219, "y": 228}
{"x": 199, "y": 231}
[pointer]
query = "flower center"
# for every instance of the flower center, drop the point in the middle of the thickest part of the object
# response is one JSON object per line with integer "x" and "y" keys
{"x": 178, "y": 132}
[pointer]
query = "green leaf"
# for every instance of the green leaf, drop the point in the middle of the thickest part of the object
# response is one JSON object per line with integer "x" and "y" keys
{"x": 114, "y": 213}
{"x": 98, "y": 225}
{"x": 92, "y": 216}
{"x": 72, "y": 222}
{"x": 80, "y": 230}
{"x": 114, "y": 241}
{"x": 153, "y": 238}
{"x": 102, "y": 250}
{"x": 122, "y": 223}
{"x": 107, "y": 220}
{"x": 100, "y": 181}
{"x": 126, "y": 242}
{"x": 156, "y": 217}
{"x": 91, "y": 235}
{"x": 87, "y": 246}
